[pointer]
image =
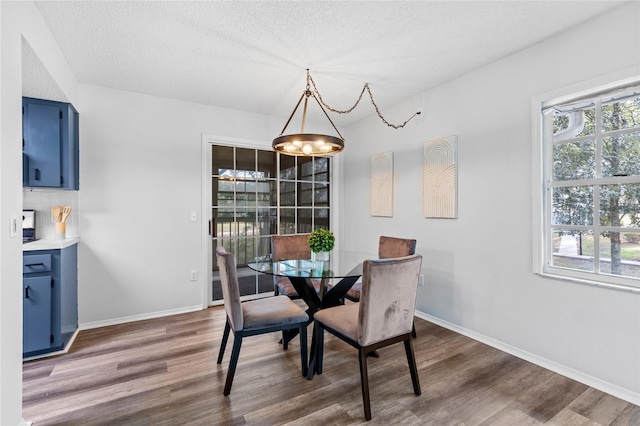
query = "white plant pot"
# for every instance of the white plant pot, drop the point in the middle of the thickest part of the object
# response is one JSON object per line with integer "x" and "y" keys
{"x": 321, "y": 256}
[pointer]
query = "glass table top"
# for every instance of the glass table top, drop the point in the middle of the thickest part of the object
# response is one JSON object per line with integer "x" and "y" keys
{"x": 341, "y": 264}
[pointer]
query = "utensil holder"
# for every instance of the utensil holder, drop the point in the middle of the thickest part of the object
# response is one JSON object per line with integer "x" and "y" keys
{"x": 61, "y": 230}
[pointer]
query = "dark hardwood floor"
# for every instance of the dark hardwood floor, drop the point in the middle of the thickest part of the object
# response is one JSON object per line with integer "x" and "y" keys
{"x": 164, "y": 372}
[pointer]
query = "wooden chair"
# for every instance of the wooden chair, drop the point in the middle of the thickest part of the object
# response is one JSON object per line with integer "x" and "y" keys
{"x": 383, "y": 317}
{"x": 285, "y": 247}
{"x": 254, "y": 317}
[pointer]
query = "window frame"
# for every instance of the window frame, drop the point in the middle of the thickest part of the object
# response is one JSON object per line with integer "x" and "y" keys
{"x": 542, "y": 156}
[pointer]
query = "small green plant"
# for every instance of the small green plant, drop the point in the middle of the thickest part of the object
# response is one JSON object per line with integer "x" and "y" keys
{"x": 321, "y": 240}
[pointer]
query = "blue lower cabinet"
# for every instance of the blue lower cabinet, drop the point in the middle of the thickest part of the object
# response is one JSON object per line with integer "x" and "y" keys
{"x": 50, "y": 299}
{"x": 36, "y": 313}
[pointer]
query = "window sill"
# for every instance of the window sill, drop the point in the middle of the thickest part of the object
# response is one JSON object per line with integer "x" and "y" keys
{"x": 612, "y": 286}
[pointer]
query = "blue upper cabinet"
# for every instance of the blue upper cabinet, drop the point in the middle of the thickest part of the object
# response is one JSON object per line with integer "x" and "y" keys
{"x": 50, "y": 148}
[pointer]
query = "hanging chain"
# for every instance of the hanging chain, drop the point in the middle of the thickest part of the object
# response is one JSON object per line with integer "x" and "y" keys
{"x": 347, "y": 111}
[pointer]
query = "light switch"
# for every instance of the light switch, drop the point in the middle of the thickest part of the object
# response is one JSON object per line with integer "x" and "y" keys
{"x": 194, "y": 217}
{"x": 13, "y": 230}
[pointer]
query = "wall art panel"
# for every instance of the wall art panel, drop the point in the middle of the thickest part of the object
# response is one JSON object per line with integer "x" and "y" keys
{"x": 439, "y": 178}
{"x": 381, "y": 185}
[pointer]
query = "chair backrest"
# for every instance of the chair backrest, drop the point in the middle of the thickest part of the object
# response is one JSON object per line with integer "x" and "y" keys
{"x": 388, "y": 297}
{"x": 230, "y": 288}
{"x": 395, "y": 247}
{"x": 284, "y": 247}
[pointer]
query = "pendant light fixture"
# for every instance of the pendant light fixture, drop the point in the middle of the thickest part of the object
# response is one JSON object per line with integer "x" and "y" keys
{"x": 312, "y": 144}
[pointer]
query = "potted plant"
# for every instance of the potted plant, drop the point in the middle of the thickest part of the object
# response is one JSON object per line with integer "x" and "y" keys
{"x": 321, "y": 242}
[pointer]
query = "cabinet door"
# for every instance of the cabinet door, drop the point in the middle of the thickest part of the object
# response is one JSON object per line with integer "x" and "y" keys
{"x": 36, "y": 313}
{"x": 42, "y": 144}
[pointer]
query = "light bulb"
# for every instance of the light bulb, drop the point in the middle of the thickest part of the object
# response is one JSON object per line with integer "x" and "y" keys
{"x": 307, "y": 149}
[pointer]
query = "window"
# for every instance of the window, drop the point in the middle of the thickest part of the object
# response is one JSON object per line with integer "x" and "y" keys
{"x": 591, "y": 187}
{"x": 257, "y": 193}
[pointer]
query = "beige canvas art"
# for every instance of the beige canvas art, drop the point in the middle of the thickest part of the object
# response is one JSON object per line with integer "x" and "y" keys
{"x": 439, "y": 178}
{"x": 381, "y": 185}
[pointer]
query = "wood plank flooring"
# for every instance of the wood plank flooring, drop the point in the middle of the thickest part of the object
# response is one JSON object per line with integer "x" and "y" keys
{"x": 163, "y": 372}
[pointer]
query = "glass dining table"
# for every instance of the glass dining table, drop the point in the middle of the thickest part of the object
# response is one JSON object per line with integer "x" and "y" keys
{"x": 336, "y": 275}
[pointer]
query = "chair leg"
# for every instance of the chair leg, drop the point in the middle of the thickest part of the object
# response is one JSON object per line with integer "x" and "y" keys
{"x": 303, "y": 348}
{"x": 235, "y": 353}
{"x": 364, "y": 381}
{"x": 413, "y": 331}
{"x": 411, "y": 360}
{"x": 319, "y": 348}
{"x": 285, "y": 343}
{"x": 223, "y": 344}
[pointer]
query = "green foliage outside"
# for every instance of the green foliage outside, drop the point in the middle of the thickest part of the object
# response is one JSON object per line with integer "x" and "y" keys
{"x": 575, "y": 160}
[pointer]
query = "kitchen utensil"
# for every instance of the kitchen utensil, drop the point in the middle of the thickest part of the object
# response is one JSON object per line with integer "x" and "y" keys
{"x": 66, "y": 211}
{"x": 56, "y": 211}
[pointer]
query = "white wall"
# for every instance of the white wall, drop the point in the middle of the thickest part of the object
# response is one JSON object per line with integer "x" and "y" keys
{"x": 478, "y": 270}
{"x": 140, "y": 177}
{"x": 17, "y": 20}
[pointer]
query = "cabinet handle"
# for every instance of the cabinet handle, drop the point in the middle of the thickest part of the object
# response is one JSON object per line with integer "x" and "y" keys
{"x": 31, "y": 265}
{"x": 37, "y": 176}
{"x": 26, "y": 292}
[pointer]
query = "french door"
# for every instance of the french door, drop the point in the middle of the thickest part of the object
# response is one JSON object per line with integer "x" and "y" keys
{"x": 256, "y": 193}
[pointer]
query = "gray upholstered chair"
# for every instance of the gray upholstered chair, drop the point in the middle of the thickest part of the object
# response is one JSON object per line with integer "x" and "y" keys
{"x": 285, "y": 247}
{"x": 255, "y": 316}
{"x": 383, "y": 317}
{"x": 387, "y": 247}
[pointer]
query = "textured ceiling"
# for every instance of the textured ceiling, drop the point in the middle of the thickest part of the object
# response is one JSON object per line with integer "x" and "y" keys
{"x": 252, "y": 55}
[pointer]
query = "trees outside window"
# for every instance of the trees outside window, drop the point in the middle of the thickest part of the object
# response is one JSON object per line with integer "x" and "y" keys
{"x": 591, "y": 150}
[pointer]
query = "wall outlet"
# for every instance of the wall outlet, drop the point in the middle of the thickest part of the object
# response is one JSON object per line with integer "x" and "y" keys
{"x": 421, "y": 280}
{"x": 194, "y": 275}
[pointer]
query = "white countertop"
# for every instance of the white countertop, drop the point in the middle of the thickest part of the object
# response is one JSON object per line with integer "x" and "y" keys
{"x": 50, "y": 244}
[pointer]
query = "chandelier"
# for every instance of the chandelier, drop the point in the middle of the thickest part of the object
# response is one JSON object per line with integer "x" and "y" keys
{"x": 311, "y": 144}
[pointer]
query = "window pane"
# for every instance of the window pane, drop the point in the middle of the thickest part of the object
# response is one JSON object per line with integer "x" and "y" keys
{"x": 222, "y": 222}
{"x": 620, "y": 115}
{"x": 619, "y": 205}
{"x": 226, "y": 185}
{"x": 245, "y": 163}
{"x": 305, "y": 168}
{"x": 321, "y": 218}
{"x": 620, "y": 253}
{"x": 305, "y": 216}
{"x": 222, "y": 159}
{"x": 575, "y": 160}
{"x": 574, "y": 124}
{"x": 621, "y": 155}
{"x": 305, "y": 191}
{"x": 267, "y": 164}
{"x": 321, "y": 172}
{"x": 287, "y": 193}
{"x": 287, "y": 221}
{"x": 573, "y": 205}
{"x": 572, "y": 249}
{"x": 287, "y": 167}
{"x": 273, "y": 192}
{"x": 267, "y": 221}
{"x": 321, "y": 195}
{"x": 246, "y": 251}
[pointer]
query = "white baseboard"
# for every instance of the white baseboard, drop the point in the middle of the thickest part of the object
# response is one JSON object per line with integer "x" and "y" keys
{"x": 569, "y": 372}
{"x": 132, "y": 318}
